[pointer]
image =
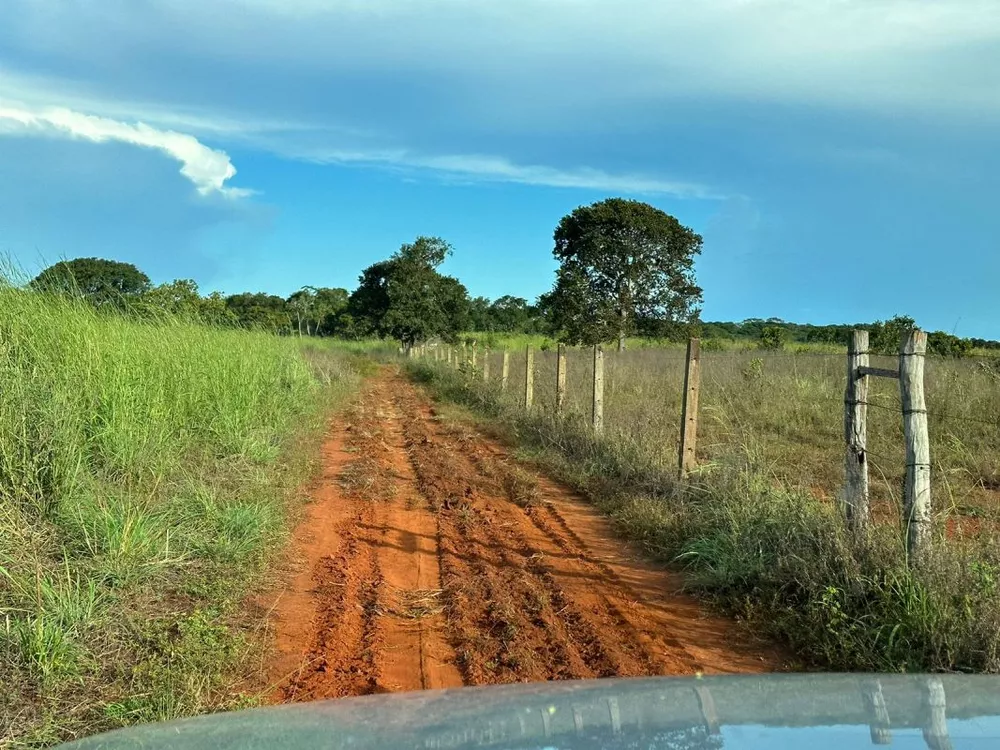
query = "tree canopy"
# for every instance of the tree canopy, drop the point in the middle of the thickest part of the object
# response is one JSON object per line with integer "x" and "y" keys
{"x": 622, "y": 261}
{"x": 317, "y": 311}
{"x": 259, "y": 310}
{"x": 100, "y": 281}
{"x": 406, "y": 298}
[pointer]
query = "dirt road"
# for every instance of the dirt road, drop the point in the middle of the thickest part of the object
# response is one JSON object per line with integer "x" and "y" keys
{"x": 431, "y": 558}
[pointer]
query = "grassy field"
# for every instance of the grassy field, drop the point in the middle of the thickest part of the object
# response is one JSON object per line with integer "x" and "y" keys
{"x": 758, "y": 526}
{"x": 147, "y": 471}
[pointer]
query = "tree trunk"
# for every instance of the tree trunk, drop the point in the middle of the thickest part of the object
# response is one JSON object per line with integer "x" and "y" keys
{"x": 623, "y": 316}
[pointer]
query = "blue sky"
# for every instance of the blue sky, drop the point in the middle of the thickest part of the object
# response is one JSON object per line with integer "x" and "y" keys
{"x": 840, "y": 157}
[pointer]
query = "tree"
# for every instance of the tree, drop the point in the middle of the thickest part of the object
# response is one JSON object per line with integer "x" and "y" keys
{"x": 331, "y": 304}
{"x": 621, "y": 260}
{"x": 510, "y": 315}
{"x": 406, "y": 298}
{"x": 886, "y": 337}
{"x": 178, "y": 297}
{"x": 260, "y": 311}
{"x": 479, "y": 314}
{"x": 948, "y": 345}
{"x": 101, "y": 281}
{"x": 772, "y": 337}
{"x": 301, "y": 303}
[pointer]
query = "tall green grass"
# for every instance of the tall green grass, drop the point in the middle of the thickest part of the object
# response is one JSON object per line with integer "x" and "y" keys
{"x": 758, "y": 527}
{"x": 145, "y": 473}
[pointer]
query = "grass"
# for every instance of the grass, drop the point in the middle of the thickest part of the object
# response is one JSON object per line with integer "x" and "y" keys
{"x": 518, "y": 341}
{"x": 758, "y": 527}
{"x": 146, "y": 473}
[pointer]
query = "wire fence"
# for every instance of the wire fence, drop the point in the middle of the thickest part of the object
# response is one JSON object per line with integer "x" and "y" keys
{"x": 782, "y": 410}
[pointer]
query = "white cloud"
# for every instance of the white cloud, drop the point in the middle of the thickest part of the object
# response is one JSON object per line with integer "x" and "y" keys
{"x": 480, "y": 168}
{"x": 431, "y": 85}
{"x": 208, "y": 169}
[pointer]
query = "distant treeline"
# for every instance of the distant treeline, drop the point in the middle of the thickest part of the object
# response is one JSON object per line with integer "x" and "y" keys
{"x": 884, "y": 335}
{"x": 336, "y": 312}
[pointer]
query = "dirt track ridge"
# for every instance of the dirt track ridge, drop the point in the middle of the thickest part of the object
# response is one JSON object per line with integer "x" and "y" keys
{"x": 431, "y": 558}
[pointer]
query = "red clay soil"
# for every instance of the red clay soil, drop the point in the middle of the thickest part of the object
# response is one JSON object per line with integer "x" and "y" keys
{"x": 431, "y": 559}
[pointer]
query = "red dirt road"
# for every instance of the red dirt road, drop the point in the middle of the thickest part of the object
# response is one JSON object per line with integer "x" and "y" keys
{"x": 431, "y": 559}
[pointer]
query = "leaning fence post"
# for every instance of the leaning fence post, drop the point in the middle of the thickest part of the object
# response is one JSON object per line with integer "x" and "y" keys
{"x": 486, "y": 364}
{"x": 687, "y": 457}
{"x": 709, "y": 713}
{"x": 529, "y": 377}
{"x": 560, "y": 378}
{"x": 504, "y": 370}
{"x": 856, "y": 504}
{"x": 597, "y": 413}
{"x": 917, "y": 491}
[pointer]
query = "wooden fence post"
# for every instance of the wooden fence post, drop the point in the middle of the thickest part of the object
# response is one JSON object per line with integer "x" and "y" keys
{"x": 709, "y": 713}
{"x": 687, "y": 458}
{"x": 504, "y": 370}
{"x": 935, "y": 719}
{"x": 560, "y": 378}
{"x": 529, "y": 377}
{"x": 473, "y": 362}
{"x": 878, "y": 715}
{"x": 856, "y": 504}
{"x": 917, "y": 491}
{"x": 486, "y": 364}
{"x": 597, "y": 413}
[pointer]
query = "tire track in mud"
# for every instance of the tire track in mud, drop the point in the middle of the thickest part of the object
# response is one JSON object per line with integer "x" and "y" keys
{"x": 503, "y": 623}
{"x": 585, "y": 611}
{"x": 433, "y": 559}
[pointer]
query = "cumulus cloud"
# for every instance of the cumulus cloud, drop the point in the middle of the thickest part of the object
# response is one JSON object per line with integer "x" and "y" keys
{"x": 208, "y": 169}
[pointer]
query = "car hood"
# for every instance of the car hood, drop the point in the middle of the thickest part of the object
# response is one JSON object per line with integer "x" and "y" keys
{"x": 751, "y": 712}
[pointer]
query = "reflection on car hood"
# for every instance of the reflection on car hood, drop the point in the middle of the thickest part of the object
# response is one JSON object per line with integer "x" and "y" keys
{"x": 777, "y": 711}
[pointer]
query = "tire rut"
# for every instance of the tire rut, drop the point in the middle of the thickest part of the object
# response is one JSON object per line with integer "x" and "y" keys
{"x": 433, "y": 559}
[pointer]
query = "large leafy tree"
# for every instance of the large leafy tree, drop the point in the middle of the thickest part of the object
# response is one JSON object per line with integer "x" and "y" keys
{"x": 406, "y": 298}
{"x": 100, "y": 281}
{"x": 510, "y": 314}
{"x": 479, "y": 314}
{"x": 317, "y": 310}
{"x": 331, "y": 304}
{"x": 178, "y": 297}
{"x": 621, "y": 261}
{"x": 259, "y": 310}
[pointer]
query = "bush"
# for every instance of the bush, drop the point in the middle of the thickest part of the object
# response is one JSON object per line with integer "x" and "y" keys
{"x": 772, "y": 337}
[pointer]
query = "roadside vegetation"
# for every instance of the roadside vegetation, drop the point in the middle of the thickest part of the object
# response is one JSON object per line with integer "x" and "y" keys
{"x": 152, "y": 439}
{"x": 147, "y": 474}
{"x": 758, "y": 527}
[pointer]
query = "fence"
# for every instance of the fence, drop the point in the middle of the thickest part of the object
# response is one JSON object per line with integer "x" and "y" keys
{"x": 786, "y": 408}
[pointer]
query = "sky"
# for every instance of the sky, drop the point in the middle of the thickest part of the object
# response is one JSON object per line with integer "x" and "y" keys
{"x": 841, "y": 158}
